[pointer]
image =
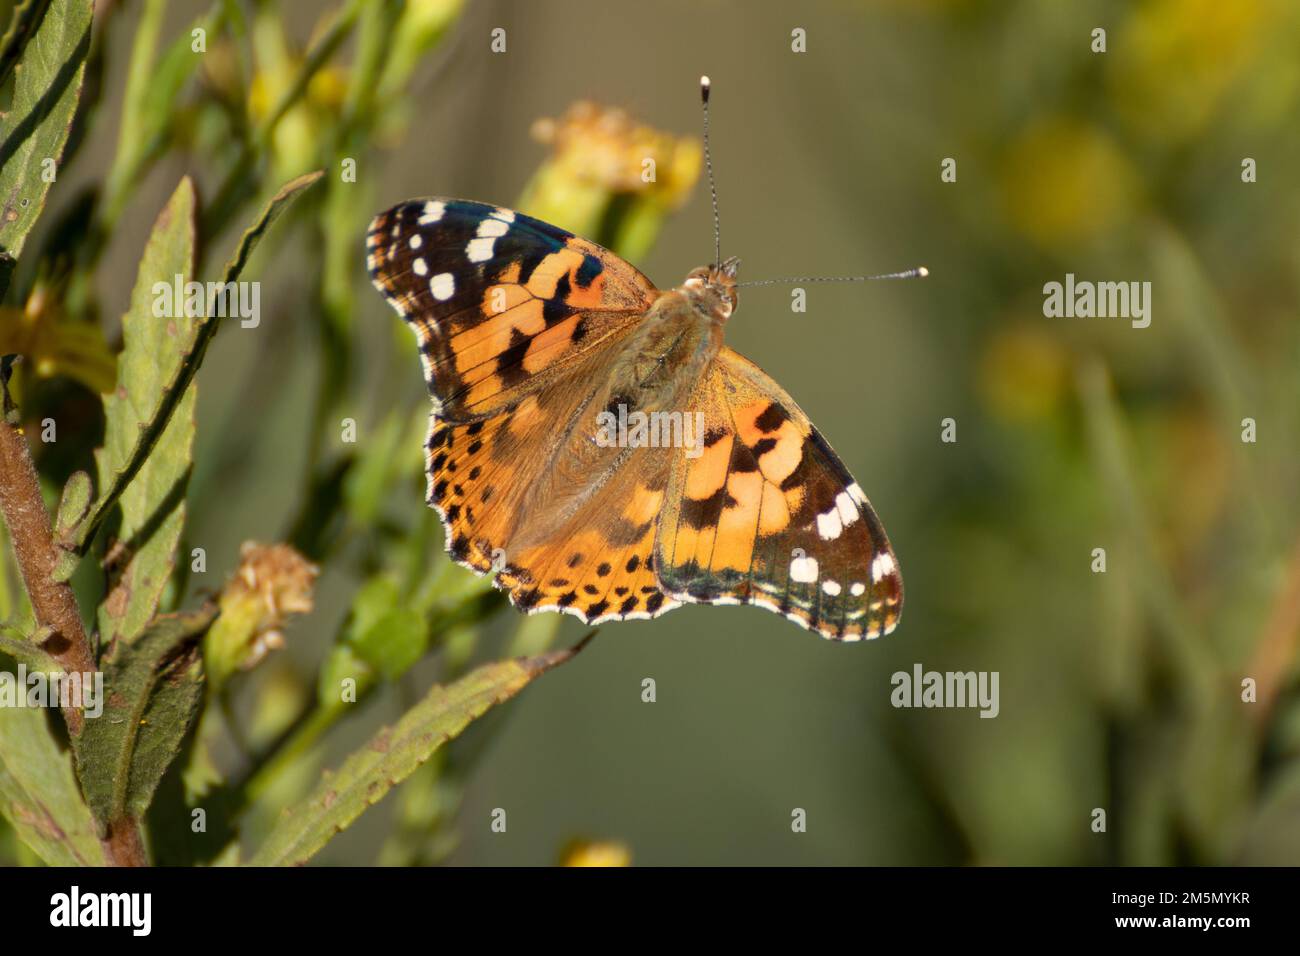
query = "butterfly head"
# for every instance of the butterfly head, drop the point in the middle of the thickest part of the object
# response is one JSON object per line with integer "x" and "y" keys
{"x": 712, "y": 289}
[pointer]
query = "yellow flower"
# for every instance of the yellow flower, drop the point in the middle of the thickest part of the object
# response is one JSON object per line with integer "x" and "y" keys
{"x": 1023, "y": 374}
{"x": 307, "y": 122}
{"x": 1174, "y": 61}
{"x": 601, "y": 155}
{"x": 596, "y": 853}
{"x": 1065, "y": 181}
{"x": 606, "y": 147}
{"x": 54, "y": 346}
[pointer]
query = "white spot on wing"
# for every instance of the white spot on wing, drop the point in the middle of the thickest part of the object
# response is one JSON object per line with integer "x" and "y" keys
{"x": 831, "y": 587}
{"x": 803, "y": 570}
{"x": 847, "y": 509}
{"x": 416, "y": 241}
{"x": 829, "y": 525}
{"x": 882, "y": 566}
{"x": 858, "y": 589}
{"x": 480, "y": 250}
{"x": 443, "y": 286}
{"x": 433, "y": 211}
{"x": 420, "y": 268}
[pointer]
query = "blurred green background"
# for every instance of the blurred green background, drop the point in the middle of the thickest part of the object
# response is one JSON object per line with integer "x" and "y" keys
{"x": 1119, "y": 691}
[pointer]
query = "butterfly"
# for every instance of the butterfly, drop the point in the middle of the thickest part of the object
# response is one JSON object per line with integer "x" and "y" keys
{"x": 533, "y": 341}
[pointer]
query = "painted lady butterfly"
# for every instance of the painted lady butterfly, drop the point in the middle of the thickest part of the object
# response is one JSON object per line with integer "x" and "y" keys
{"x": 527, "y": 334}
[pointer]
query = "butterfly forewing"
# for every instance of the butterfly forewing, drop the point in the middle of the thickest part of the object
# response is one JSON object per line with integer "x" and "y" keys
{"x": 499, "y": 302}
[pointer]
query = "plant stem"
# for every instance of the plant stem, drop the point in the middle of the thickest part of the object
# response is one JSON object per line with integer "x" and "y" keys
{"x": 53, "y": 603}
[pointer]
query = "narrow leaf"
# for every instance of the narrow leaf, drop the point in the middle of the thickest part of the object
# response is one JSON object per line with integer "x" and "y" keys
{"x": 127, "y": 748}
{"x": 39, "y": 794}
{"x": 394, "y": 754}
{"x": 23, "y": 19}
{"x": 155, "y": 346}
{"x": 177, "y": 388}
{"x": 150, "y": 103}
{"x": 35, "y": 130}
{"x": 177, "y": 694}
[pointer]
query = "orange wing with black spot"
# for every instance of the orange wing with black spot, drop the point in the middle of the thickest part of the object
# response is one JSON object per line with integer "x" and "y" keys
{"x": 767, "y": 514}
{"x": 500, "y": 303}
{"x": 508, "y": 505}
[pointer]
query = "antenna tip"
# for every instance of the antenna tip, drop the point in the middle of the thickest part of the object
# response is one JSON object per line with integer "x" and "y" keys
{"x": 922, "y": 271}
{"x": 704, "y": 88}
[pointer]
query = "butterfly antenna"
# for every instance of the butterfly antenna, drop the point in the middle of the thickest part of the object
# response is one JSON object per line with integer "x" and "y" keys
{"x": 708, "y": 166}
{"x": 920, "y": 272}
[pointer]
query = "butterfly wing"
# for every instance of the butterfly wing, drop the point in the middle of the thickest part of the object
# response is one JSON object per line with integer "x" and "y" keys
{"x": 516, "y": 322}
{"x": 500, "y": 303}
{"x": 767, "y": 514}
{"x": 566, "y": 524}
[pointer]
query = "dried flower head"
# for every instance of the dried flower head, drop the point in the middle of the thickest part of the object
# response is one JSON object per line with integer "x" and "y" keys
{"x": 272, "y": 583}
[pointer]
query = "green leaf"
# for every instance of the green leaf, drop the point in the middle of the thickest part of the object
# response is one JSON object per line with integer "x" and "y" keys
{"x": 39, "y": 794}
{"x": 22, "y": 21}
{"x": 369, "y": 483}
{"x": 394, "y": 754}
{"x": 151, "y": 690}
{"x": 393, "y": 643}
{"x": 46, "y": 88}
{"x": 154, "y": 350}
{"x": 173, "y": 707}
{"x": 150, "y": 107}
{"x": 270, "y": 213}
{"x": 74, "y": 503}
{"x": 31, "y": 653}
{"x": 126, "y": 463}
{"x": 387, "y": 633}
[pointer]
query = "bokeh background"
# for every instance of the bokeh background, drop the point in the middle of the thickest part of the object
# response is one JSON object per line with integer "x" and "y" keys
{"x": 1120, "y": 690}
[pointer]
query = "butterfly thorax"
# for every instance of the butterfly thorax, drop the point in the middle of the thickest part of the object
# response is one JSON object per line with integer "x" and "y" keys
{"x": 663, "y": 360}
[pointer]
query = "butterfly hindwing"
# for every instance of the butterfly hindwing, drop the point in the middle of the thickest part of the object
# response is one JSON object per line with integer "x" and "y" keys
{"x": 500, "y": 303}
{"x": 768, "y": 515}
{"x": 565, "y": 524}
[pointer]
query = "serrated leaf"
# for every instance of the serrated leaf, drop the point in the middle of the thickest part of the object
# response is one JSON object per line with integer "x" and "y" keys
{"x": 39, "y": 794}
{"x": 125, "y": 465}
{"x": 130, "y": 745}
{"x": 270, "y": 213}
{"x": 46, "y": 89}
{"x": 394, "y": 754}
{"x": 167, "y": 719}
{"x": 154, "y": 349}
